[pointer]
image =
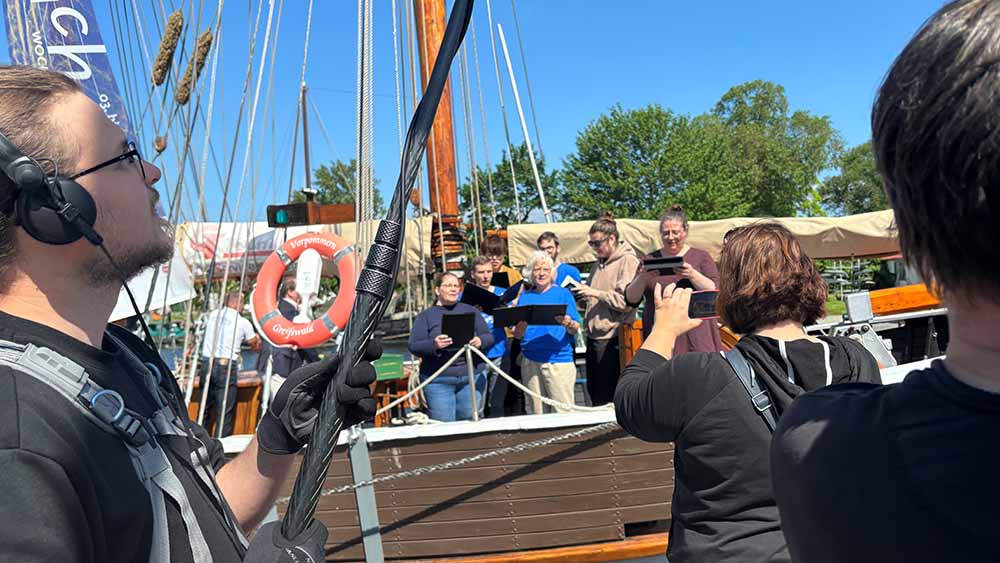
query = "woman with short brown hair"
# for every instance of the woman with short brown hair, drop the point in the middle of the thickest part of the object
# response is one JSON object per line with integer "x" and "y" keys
{"x": 769, "y": 290}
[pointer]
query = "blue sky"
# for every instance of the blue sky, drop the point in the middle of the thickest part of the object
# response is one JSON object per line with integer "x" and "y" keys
{"x": 583, "y": 57}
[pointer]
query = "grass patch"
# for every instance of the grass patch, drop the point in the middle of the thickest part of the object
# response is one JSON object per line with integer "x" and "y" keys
{"x": 835, "y": 307}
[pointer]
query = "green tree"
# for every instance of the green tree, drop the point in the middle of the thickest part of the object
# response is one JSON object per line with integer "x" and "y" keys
{"x": 335, "y": 183}
{"x": 625, "y": 163}
{"x": 857, "y": 188}
{"x": 777, "y": 157}
{"x": 503, "y": 189}
{"x": 748, "y": 157}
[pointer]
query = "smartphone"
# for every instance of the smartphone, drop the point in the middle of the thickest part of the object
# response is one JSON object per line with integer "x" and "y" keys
{"x": 702, "y": 305}
{"x": 666, "y": 265}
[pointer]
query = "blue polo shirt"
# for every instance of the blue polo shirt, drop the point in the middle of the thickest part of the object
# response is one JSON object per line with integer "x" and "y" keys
{"x": 499, "y": 336}
{"x": 565, "y": 270}
{"x": 549, "y": 343}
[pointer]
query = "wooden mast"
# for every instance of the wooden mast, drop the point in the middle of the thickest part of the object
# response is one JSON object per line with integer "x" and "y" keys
{"x": 430, "y": 18}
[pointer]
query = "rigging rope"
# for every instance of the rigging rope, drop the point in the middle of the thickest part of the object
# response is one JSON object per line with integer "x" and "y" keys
{"x": 470, "y": 140}
{"x": 225, "y": 196}
{"x": 503, "y": 112}
{"x": 524, "y": 126}
{"x": 243, "y": 174}
{"x": 399, "y": 139}
{"x": 527, "y": 81}
{"x": 409, "y": 33}
{"x": 482, "y": 116}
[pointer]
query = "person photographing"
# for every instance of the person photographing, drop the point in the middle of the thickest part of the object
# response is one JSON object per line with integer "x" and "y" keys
{"x": 722, "y": 509}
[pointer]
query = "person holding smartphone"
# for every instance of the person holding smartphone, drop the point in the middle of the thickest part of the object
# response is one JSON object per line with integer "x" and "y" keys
{"x": 698, "y": 272}
{"x": 723, "y": 509}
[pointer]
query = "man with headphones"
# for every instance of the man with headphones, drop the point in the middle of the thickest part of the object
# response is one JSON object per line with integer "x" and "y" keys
{"x": 100, "y": 461}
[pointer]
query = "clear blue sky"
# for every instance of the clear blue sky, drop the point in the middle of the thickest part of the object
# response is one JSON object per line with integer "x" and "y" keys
{"x": 583, "y": 57}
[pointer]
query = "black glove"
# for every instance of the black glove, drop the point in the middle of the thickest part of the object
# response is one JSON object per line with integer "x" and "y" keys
{"x": 269, "y": 547}
{"x": 289, "y": 420}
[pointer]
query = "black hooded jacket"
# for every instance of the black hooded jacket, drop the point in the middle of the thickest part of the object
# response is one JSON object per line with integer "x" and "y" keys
{"x": 722, "y": 507}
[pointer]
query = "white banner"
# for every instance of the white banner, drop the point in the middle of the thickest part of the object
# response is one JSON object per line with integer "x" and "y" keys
{"x": 178, "y": 289}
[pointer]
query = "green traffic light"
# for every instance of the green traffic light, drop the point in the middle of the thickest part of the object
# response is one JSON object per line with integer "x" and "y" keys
{"x": 281, "y": 217}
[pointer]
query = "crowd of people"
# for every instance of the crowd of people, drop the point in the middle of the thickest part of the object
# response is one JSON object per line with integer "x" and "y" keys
{"x": 786, "y": 447}
{"x": 542, "y": 355}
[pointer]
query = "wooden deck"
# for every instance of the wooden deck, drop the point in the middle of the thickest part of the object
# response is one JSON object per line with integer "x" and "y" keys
{"x": 587, "y": 491}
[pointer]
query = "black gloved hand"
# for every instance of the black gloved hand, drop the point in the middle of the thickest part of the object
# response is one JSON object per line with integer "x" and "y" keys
{"x": 289, "y": 420}
{"x": 269, "y": 547}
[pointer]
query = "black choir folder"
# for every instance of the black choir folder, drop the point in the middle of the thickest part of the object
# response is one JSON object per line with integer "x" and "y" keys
{"x": 500, "y": 279}
{"x": 486, "y": 299}
{"x": 461, "y": 327}
{"x": 533, "y": 314}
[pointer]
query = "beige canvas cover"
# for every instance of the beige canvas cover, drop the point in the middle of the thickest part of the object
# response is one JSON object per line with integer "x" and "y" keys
{"x": 238, "y": 243}
{"x": 866, "y": 234}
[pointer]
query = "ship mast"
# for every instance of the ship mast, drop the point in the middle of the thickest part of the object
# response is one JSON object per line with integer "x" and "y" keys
{"x": 447, "y": 235}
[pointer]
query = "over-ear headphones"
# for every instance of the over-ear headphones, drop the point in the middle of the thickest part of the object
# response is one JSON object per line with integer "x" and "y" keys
{"x": 52, "y": 209}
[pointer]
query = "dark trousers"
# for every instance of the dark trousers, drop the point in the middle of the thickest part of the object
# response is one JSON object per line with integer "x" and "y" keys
{"x": 505, "y": 399}
{"x": 496, "y": 389}
{"x": 602, "y": 370}
{"x": 218, "y": 393}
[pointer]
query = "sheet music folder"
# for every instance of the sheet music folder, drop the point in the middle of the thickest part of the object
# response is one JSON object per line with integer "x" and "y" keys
{"x": 461, "y": 327}
{"x": 486, "y": 299}
{"x": 533, "y": 314}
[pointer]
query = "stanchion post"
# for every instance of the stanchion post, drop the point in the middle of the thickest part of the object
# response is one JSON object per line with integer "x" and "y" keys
{"x": 472, "y": 381}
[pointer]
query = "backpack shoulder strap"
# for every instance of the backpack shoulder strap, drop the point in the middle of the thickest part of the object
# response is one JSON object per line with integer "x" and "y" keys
{"x": 758, "y": 393}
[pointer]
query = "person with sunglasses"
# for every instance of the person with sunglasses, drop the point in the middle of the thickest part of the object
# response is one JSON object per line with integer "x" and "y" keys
{"x": 699, "y": 273}
{"x": 100, "y": 459}
{"x": 604, "y": 296}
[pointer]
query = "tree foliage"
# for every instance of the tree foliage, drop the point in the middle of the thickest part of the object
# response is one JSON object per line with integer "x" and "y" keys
{"x": 336, "y": 183}
{"x": 857, "y": 188}
{"x": 503, "y": 189}
{"x": 748, "y": 156}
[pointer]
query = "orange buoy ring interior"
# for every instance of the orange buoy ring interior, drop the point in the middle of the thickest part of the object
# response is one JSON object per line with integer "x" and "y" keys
{"x": 284, "y": 332}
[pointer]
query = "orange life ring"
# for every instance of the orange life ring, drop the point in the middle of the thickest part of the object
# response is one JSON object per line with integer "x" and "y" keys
{"x": 265, "y": 302}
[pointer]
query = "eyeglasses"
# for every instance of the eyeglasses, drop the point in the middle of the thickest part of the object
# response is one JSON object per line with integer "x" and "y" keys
{"x": 131, "y": 154}
{"x": 596, "y": 243}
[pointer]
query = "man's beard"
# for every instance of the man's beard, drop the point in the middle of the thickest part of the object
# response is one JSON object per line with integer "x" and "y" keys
{"x": 130, "y": 262}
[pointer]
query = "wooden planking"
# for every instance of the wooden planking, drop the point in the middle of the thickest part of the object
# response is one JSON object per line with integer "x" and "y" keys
{"x": 459, "y": 512}
{"x": 578, "y": 491}
{"x": 509, "y": 492}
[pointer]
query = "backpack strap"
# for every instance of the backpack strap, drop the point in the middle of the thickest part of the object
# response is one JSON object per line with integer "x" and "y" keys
{"x": 758, "y": 393}
{"x": 106, "y": 408}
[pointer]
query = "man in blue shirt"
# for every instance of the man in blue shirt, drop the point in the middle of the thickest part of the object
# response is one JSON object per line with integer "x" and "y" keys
{"x": 482, "y": 273}
{"x": 549, "y": 243}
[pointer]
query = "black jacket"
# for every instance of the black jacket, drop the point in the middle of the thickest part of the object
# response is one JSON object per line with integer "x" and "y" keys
{"x": 723, "y": 510}
{"x": 287, "y": 360}
{"x": 69, "y": 490}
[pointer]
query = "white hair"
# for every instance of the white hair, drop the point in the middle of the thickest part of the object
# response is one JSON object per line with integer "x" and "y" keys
{"x": 536, "y": 257}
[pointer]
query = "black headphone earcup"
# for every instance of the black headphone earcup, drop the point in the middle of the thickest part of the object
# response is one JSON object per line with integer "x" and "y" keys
{"x": 37, "y": 215}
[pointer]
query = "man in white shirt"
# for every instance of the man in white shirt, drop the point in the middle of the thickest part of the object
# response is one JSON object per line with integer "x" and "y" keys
{"x": 225, "y": 331}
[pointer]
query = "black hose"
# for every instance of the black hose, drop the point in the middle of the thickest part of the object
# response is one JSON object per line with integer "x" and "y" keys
{"x": 375, "y": 283}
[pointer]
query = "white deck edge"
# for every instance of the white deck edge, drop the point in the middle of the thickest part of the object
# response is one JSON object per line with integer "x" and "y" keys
{"x": 237, "y": 443}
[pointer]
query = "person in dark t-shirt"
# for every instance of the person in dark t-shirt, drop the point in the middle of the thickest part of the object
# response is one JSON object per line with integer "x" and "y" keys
{"x": 722, "y": 509}
{"x": 100, "y": 461}
{"x": 907, "y": 472}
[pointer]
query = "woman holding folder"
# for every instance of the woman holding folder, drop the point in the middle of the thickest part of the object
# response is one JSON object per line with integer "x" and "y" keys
{"x": 547, "y": 349}
{"x": 449, "y": 397}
